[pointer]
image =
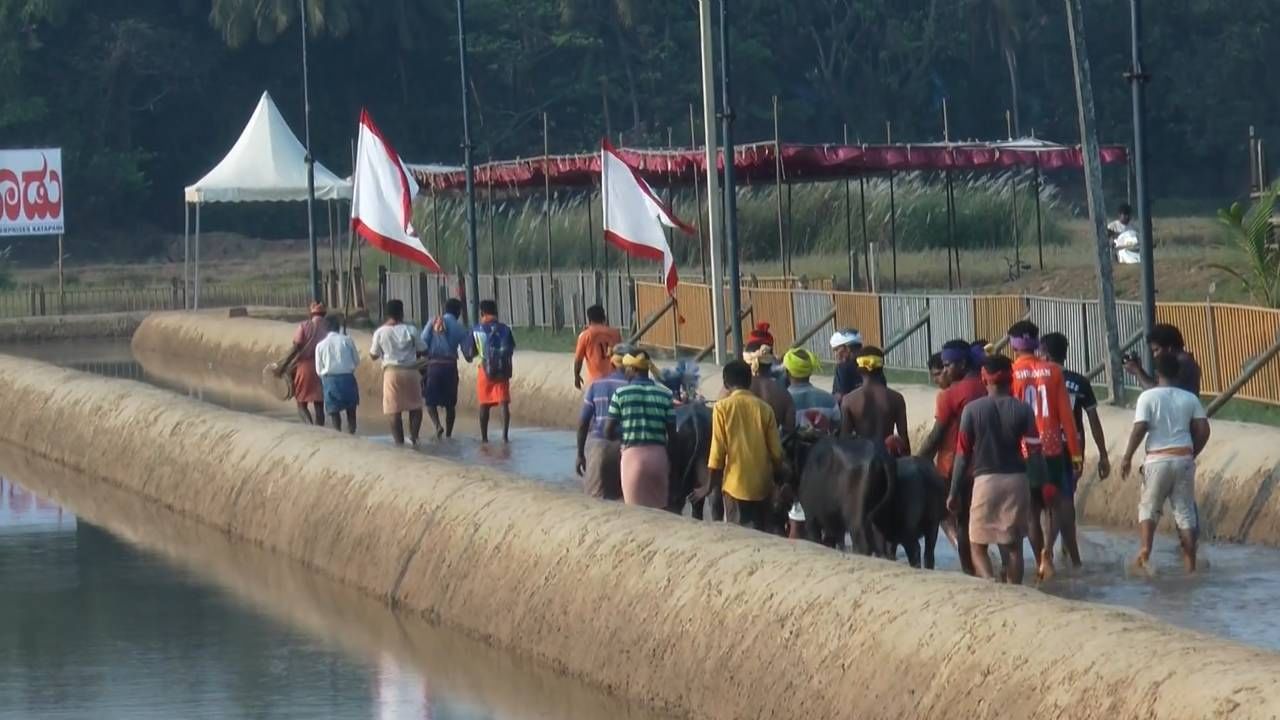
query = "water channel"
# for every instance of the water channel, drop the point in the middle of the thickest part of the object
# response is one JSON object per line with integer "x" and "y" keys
{"x": 116, "y": 609}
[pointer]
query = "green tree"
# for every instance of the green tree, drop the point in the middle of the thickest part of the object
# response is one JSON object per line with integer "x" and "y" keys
{"x": 1253, "y": 231}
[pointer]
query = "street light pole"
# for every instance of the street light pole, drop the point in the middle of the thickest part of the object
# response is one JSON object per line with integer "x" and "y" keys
{"x": 310, "y": 160}
{"x": 713, "y": 180}
{"x": 1138, "y": 77}
{"x": 473, "y": 253}
{"x": 730, "y": 188}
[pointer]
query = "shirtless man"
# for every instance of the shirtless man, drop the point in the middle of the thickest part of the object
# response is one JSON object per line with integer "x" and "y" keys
{"x": 873, "y": 411}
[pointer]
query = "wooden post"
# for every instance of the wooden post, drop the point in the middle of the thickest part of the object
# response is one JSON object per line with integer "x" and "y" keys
{"x": 747, "y": 311}
{"x": 546, "y": 215}
{"x": 697, "y": 200}
{"x": 1212, "y": 322}
{"x": 848, "y": 226}
{"x": 893, "y": 214}
{"x": 493, "y": 252}
{"x": 62, "y": 288}
{"x": 1250, "y": 369}
{"x": 911, "y": 330}
{"x": 651, "y": 321}
{"x": 813, "y": 330}
{"x": 777, "y": 169}
{"x": 1093, "y": 191}
{"x": 868, "y": 247}
{"x": 1035, "y": 189}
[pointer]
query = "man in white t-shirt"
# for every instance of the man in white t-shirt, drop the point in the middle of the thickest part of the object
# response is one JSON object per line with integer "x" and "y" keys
{"x": 1176, "y": 429}
{"x": 1125, "y": 237}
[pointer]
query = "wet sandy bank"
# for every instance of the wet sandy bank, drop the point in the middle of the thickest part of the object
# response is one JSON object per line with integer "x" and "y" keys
{"x": 1236, "y": 482}
{"x": 708, "y": 621}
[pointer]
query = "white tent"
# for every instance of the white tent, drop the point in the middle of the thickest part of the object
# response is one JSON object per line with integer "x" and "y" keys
{"x": 267, "y": 164}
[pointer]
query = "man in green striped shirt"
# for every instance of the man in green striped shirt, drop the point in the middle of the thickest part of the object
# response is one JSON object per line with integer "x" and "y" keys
{"x": 642, "y": 414}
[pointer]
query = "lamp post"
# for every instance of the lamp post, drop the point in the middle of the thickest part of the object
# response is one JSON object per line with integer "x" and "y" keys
{"x": 714, "y": 206}
{"x": 473, "y": 253}
{"x": 1138, "y": 77}
{"x": 730, "y": 189}
{"x": 310, "y": 160}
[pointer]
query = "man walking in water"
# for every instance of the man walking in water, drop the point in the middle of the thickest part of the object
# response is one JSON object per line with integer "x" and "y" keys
{"x": 642, "y": 414}
{"x": 873, "y": 411}
{"x": 336, "y": 362}
{"x": 746, "y": 454}
{"x": 1040, "y": 385}
{"x": 397, "y": 344}
{"x": 961, "y": 380}
{"x": 1053, "y": 347}
{"x": 993, "y": 432}
{"x": 594, "y": 348}
{"x": 1176, "y": 429}
{"x": 598, "y": 456}
{"x": 444, "y": 338}
{"x": 495, "y": 346}
{"x": 308, "y": 392}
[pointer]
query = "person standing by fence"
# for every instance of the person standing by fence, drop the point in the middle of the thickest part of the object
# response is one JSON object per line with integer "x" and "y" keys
{"x": 598, "y": 456}
{"x": 1166, "y": 339}
{"x": 594, "y": 348}
{"x": 336, "y": 362}
{"x": 496, "y": 347}
{"x": 1176, "y": 430}
{"x": 308, "y": 392}
{"x": 642, "y": 415}
{"x": 445, "y": 337}
{"x": 846, "y": 344}
{"x": 397, "y": 344}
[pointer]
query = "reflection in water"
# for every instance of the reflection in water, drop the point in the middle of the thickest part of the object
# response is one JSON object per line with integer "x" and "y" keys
{"x": 132, "y": 612}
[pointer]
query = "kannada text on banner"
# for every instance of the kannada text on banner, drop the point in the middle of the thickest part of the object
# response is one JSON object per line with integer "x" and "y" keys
{"x": 31, "y": 192}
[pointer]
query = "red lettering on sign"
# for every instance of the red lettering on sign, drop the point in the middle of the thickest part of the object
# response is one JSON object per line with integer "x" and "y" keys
{"x": 37, "y": 201}
{"x": 10, "y": 194}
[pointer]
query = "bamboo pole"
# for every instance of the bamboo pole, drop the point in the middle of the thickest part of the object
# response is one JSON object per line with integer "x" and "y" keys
{"x": 1250, "y": 369}
{"x": 697, "y": 200}
{"x": 546, "y": 217}
{"x": 1093, "y": 193}
{"x": 848, "y": 226}
{"x": 893, "y": 213}
{"x": 777, "y": 168}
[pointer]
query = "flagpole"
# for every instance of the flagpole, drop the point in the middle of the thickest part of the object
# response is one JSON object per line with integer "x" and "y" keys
{"x": 310, "y": 161}
{"x": 473, "y": 252}
{"x": 713, "y": 180}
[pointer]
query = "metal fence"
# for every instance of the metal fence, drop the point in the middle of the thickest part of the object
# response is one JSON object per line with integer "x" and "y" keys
{"x": 37, "y": 301}
{"x": 1224, "y": 338}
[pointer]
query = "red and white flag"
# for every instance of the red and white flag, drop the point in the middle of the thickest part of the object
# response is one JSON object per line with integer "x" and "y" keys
{"x": 634, "y": 218}
{"x": 382, "y": 198}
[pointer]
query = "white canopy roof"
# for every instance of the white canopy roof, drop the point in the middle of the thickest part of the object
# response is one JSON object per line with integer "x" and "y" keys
{"x": 267, "y": 164}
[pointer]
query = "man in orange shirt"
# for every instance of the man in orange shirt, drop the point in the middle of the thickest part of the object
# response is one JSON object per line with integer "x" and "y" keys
{"x": 1040, "y": 384}
{"x": 595, "y": 345}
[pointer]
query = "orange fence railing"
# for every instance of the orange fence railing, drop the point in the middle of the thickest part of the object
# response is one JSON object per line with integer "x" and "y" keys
{"x": 1225, "y": 339}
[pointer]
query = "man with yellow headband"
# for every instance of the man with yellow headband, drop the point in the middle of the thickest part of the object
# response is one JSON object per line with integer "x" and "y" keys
{"x": 873, "y": 411}
{"x": 599, "y": 457}
{"x": 642, "y": 415}
{"x": 815, "y": 407}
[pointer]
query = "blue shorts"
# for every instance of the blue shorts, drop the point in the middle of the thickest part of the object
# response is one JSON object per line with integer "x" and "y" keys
{"x": 340, "y": 392}
{"x": 440, "y": 385}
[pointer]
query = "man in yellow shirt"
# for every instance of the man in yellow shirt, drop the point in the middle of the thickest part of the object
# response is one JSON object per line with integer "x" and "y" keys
{"x": 746, "y": 453}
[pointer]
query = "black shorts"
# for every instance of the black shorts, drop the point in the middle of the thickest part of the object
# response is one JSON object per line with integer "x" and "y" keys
{"x": 440, "y": 385}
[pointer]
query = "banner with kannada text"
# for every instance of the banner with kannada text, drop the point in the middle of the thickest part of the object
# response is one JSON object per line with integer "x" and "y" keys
{"x": 31, "y": 192}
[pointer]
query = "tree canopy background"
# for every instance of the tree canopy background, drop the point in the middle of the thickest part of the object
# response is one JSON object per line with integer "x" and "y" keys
{"x": 145, "y": 95}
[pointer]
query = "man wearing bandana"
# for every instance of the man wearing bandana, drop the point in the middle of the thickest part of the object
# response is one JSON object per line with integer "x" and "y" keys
{"x": 1040, "y": 384}
{"x": 873, "y": 411}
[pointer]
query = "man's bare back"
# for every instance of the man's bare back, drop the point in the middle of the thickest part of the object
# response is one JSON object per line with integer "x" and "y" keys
{"x": 874, "y": 412}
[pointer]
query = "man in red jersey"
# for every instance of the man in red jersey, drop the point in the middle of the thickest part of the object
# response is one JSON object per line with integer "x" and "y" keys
{"x": 964, "y": 376}
{"x": 1040, "y": 384}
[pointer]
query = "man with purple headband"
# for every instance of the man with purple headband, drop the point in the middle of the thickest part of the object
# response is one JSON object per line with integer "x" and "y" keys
{"x": 963, "y": 372}
{"x": 1039, "y": 383}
